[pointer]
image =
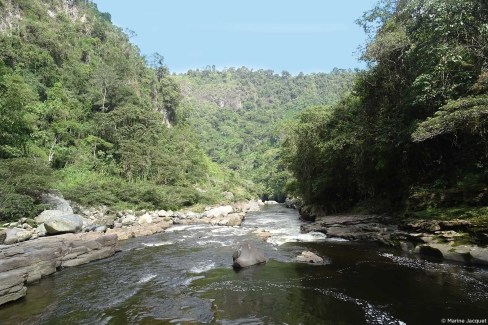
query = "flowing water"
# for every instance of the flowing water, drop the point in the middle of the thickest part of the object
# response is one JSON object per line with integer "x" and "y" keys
{"x": 184, "y": 276}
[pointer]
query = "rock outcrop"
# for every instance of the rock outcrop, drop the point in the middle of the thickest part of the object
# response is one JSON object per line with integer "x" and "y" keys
{"x": 441, "y": 239}
{"x": 247, "y": 255}
{"x": 309, "y": 257}
{"x": 354, "y": 227}
{"x": 27, "y": 262}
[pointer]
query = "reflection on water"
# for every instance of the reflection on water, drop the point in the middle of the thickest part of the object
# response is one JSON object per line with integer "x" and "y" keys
{"x": 185, "y": 276}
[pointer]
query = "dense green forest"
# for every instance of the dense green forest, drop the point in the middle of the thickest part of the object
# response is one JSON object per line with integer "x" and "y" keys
{"x": 412, "y": 134}
{"x": 83, "y": 112}
{"x": 242, "y": 116}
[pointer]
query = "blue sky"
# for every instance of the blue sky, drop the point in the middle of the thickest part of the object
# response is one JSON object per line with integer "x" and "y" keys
{"x": 296, "y": 36}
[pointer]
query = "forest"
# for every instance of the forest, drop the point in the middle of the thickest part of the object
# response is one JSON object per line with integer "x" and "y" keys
{"x": 84, "y": 113}
{"x": 242, "y": 117}
{"x": 411, "y": 136}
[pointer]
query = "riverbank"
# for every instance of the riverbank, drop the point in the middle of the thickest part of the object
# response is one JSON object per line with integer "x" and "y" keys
{"x": 28, "y": 253}
{"x": 455, "y": 240}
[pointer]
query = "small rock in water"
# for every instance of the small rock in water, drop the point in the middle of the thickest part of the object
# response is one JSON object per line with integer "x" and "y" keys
{"x": 309, "y": 257}
{"x": 247, "y": 255}
{"x": 263, "y": 234}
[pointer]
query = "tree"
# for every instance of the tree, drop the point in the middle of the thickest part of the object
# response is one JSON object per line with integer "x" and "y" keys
{"x": 16, "y": 118}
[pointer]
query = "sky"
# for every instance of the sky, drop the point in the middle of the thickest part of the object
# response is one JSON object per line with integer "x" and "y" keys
{"x": 293, "y": 35}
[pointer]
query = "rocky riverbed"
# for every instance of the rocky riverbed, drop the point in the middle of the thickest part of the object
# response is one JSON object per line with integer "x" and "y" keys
{"x": 452, "y": 240}
{"x": 66, "y": 236}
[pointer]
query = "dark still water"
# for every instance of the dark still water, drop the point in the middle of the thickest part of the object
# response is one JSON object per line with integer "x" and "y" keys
{"x": 184, "y": 276}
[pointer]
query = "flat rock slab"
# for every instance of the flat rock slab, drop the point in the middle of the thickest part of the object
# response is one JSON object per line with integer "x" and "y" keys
{"x": 29, "y": 261}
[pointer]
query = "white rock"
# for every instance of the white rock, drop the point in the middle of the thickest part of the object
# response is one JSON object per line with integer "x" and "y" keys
{"x": 129, "y": 220}
{"x": 218, "y": 212}
{"x": 41, "y": 230}
{"x": 145, "y": 219}
{"x": 309, "y": 257}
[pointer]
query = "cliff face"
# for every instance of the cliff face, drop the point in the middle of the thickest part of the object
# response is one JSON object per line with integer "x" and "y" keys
{"x": 27, "y": 262}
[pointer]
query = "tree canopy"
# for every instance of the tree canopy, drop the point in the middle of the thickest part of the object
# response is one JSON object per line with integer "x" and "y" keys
{"x": 412, "y": 133}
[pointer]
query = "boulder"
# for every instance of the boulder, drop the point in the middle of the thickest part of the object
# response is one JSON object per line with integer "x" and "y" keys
{"x": 46, "y": 214}
{"x": 41, "y": 230}
{"x": 57, "y": 202}
{"x": 129, "y": 220}
{"x": 309, "y": 257}
{"x": 100, "y": 229}
{"x": 16, "y": 235}
{"x": 444, "y": 251}
{"x": 219, "y": 212}
{"x": 23, "y": 235}
{"x": 107, "y": 220}
{"x": 479, "y": 256}
{"x": 163, "y": 213}
{"x": 247, "y": 255}
{"x": 30, "y": 222}
{"x": 263, "y": 234}
{"x": 234, "y": 219}
{"x": 145, "y": 219}
{"x": 71, "y": 223}
{"x": 248, "y": 206}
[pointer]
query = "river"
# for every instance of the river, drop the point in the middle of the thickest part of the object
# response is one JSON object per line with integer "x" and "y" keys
{"x": 184, "y": 276}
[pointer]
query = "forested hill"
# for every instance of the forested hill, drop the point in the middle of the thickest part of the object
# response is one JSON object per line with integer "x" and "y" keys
{"x": 83, "y": 112}
{"x": 241, "y": 116}
{"x": 412, "y": 135}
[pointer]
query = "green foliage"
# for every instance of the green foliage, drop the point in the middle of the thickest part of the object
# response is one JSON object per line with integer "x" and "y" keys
{"x": 465, "y": 115}
{"x": 412, "y": 133}
{"x": 16, "y": 98}
{"x": 240, "y": 116}
{"x": 77, "y": 95}
{"x": 23, "y": 182}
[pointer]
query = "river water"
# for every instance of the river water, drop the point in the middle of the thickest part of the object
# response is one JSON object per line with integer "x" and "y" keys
{"x": 184, "y": 276}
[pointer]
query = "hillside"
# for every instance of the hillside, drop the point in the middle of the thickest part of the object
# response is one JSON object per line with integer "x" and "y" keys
{"x": 241, "y": 116}
{"x": 83, "y": 112}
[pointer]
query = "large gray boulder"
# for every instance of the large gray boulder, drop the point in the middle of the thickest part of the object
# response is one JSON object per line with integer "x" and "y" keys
{"x": 479, "y": 256}
{"x": 247, "y": 255}
{"x": 47, "y": 214}
{"x": 57, "y": 202}
{"x": 71, "y": 223}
